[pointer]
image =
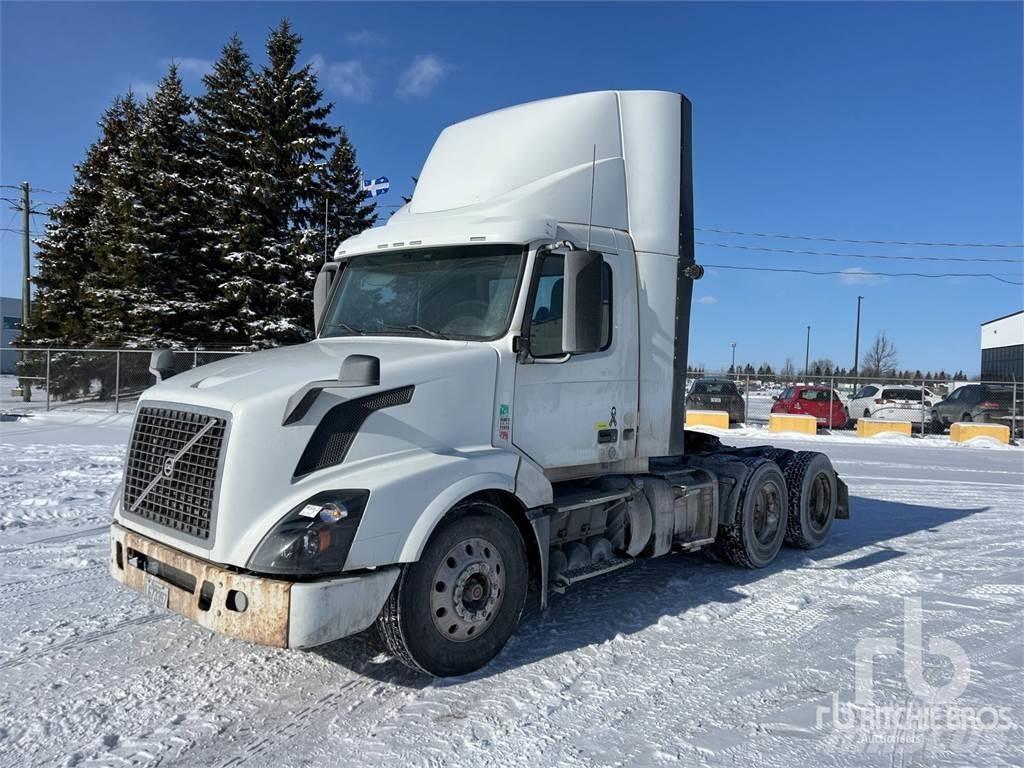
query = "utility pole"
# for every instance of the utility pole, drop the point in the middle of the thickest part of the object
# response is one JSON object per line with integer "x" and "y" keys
{"x": 856, "y": 343}
{"x": 26, "y": 210}
{"x": 807, "y": 354}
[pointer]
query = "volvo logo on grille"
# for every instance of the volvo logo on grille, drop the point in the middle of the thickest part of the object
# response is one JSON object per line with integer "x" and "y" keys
{"x": 168, "y": 466}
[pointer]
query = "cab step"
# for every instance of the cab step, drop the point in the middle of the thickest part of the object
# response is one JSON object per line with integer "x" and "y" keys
{"x": 567, "y": 578}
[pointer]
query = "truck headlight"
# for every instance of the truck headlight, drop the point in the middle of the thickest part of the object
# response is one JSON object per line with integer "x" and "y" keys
{"x": 313, "y": 538}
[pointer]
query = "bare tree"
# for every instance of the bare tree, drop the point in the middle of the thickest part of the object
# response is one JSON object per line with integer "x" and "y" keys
{"x": 788, "y": 370}
{"x": 825, "y": 364}
{"x": 880, "y": 359}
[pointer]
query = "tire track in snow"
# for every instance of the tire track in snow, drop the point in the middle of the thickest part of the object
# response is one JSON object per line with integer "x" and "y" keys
{"x": 297, "y": 722}
{"x": 29, "y": 587}
{"x": 49, "y": 540}
{"x": 82, "y": 640}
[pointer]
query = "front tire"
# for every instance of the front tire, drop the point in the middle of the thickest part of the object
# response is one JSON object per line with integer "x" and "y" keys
{"x": 454, "y": 609}
{"x": 813, "y": 497}
{"x": 755, "y": 537}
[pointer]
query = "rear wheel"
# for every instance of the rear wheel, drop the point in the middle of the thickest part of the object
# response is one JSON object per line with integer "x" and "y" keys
{"x": 754, "y": 538}
{"x": 452, "y": 611}
{"x": 813, "y": 498}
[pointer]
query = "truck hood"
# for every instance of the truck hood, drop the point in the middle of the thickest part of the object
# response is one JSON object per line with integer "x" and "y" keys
{"x": 282, "y": 371}
{"x": 450, "y": 415}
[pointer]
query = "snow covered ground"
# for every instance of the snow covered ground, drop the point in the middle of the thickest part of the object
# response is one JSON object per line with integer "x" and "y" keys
{"x": 674, "y": 661}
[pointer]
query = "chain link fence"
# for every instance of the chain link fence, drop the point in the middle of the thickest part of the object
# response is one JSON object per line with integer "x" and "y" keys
{"x": 114, "y": 378}
{"x": 107, "y": 379}
{"x": 839, "y": 402}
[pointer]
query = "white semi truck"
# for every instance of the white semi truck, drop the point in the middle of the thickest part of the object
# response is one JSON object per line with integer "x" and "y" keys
{"x": 493, "y": 408}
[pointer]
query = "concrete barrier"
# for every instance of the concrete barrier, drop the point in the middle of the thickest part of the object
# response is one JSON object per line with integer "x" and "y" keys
{"x": 790, "y": 422}
{"x": 717, "y": 419}
{"x": 873, "y": 427}
{"x": 962, "y": 431}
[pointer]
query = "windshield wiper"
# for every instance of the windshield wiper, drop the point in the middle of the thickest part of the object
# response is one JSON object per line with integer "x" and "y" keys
{"x": 347, "y": 328}
{"x": 428, "y": 331}
{"x": 416, "y": 329}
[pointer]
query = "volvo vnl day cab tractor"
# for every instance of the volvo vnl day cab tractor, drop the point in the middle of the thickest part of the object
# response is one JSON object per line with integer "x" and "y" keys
{"x": 492, "y": 408}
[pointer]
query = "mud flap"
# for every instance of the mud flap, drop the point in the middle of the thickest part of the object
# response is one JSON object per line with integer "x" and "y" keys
{"x": 843, "y": 502}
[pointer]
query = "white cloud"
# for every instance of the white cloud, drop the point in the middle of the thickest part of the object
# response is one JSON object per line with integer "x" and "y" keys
{"x": 347, "y": 79}
{"x": 422, "y": 76}
{"x": 190, "y": 66}
{"x": 707, "y": 300}
{"x": 366, "y": 37}
{"x": 142, "y": 89}
{"x": 858, "y": 276}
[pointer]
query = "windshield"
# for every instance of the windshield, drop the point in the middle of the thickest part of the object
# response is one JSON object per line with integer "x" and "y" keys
{"x": 455, "y": 292}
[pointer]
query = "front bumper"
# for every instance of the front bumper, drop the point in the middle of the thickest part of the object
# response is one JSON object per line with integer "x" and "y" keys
{"x": 274, "y": 612}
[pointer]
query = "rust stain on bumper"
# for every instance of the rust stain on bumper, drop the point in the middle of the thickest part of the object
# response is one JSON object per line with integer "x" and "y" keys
{"x": 265, "y": 620}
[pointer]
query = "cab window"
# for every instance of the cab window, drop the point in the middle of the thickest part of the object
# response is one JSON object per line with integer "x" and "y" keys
{"x": 546, "y": 317}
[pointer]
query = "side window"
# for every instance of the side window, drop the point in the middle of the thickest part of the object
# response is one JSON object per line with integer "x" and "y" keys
{"x": 546, "y": 318}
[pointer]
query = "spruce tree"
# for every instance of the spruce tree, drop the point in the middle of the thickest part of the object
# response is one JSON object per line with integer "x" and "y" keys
{"x": 342, "y": 197}
{"x": 155, "y": 278}
{"x": 226, "y": 117}
{"x": 67, "y": 253}
{"x": 292, "y": 139}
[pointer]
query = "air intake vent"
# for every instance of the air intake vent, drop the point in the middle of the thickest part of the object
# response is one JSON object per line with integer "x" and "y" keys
{"x": 338, "y": 428}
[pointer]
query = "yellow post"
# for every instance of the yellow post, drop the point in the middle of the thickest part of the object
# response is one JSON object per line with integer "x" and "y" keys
{"x": 716, "y": 419}
{"x": 789, "y": 422}
{"x": 963, "y": 431}
{"x": 873, "y": 427}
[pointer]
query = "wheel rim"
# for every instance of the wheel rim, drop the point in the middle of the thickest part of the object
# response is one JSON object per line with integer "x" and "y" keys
{"x": 767, "y": 513}
{"x": 468, "y": 587}
{"x": 819, "y": 505}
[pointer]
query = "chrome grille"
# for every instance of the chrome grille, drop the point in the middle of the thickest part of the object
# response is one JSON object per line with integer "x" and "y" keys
{"x": 172, "y": 469}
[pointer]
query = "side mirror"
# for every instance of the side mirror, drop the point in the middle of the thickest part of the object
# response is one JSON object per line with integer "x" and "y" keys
{"x": 322, "y": 292}
{"x": 582, "y": 302}
{"x": 161, "y": 364}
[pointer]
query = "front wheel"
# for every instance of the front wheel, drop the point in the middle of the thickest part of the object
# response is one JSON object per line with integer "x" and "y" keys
{"x": 452, "y": 611}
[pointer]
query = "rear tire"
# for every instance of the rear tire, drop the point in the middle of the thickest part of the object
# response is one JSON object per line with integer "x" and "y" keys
{"x": 813, "y": 498}
{"x": 453, "y": 610}
{"x": 755, "y": 537}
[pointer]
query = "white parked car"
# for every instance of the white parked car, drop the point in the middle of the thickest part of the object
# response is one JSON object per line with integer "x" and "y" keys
{"x": 891, "y": 402}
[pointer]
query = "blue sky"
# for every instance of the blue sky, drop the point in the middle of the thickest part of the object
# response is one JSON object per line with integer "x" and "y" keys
{"x": 879, "y": 121}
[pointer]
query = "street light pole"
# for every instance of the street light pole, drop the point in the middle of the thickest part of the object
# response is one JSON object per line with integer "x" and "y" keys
{"x": 734, "y": 358}
{"x": 807, "y": 354}
{"x": 856, "y": 343}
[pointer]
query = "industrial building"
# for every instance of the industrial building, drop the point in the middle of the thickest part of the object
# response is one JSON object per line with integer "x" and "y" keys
{"x": 1002, "y": 348}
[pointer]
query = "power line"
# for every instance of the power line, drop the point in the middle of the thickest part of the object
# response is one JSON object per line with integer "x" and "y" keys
{"x": 21, "y": 231}
{"x": 859, "y": 273}
{"x": 765, "y": 249}
{"x": 861, "y": 242}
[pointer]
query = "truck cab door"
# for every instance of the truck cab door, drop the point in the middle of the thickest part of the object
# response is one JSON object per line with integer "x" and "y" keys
{"x": 573, "y": 410}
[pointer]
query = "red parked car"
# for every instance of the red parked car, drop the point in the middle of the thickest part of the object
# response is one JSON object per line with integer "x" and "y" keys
{"x": 812, "y": 401}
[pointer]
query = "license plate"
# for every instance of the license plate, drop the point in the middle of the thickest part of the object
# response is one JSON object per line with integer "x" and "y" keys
{"x": 157, "y": 593}
{"x": 716, "y": 399}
